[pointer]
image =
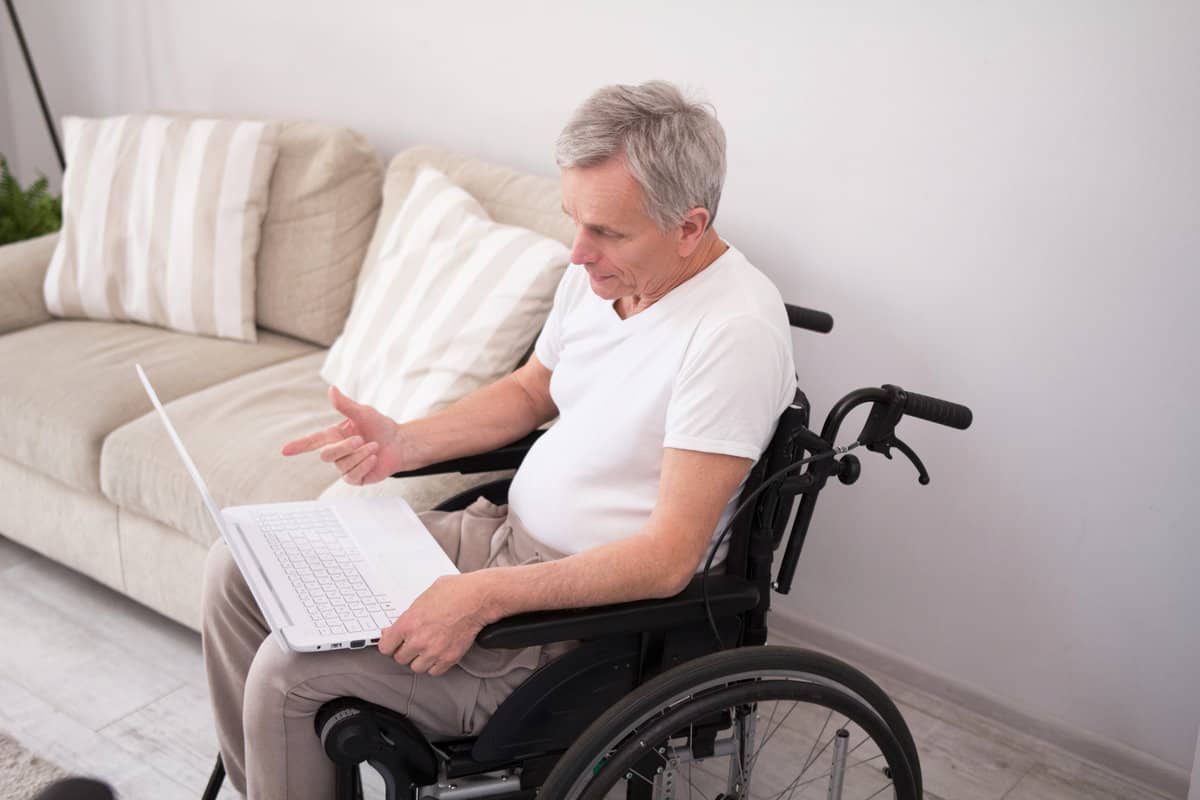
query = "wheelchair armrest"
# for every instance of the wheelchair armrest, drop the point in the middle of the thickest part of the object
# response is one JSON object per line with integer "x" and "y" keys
{"x": 728, "y": 595}
{"x": 507, "y": 457}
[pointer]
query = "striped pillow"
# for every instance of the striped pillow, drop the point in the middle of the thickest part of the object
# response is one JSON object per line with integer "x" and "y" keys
{"x": 449, "y": 302}
{"x": 161, "y": 220}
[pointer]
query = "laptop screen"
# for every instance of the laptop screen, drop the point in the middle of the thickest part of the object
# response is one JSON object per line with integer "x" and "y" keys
{"x": 183, "y": 453}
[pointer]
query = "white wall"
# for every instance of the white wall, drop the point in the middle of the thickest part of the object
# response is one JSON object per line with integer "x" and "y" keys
{"x": 996, "y": 201}
{"x": 7, "y": 141}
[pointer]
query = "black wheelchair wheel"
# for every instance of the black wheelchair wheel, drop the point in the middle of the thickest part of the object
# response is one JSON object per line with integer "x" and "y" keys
{"x": 761, "y": 722}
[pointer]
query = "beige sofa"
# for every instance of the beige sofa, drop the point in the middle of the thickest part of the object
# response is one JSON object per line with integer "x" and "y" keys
{"x": 87, "y": 475}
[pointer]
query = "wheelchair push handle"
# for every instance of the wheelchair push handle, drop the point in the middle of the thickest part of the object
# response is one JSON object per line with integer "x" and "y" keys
{"x": 809, "y": 319}
{"x": 943, "y": 412}
{"x": 889, "y": 405}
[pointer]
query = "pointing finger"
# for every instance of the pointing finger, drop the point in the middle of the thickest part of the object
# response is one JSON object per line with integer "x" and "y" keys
{"x": 311, "y": 442}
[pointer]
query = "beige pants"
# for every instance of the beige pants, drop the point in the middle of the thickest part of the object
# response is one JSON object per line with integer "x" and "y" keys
{"x": 265, "y": 699}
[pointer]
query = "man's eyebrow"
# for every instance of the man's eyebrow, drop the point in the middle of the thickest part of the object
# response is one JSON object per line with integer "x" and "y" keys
{"x": 599, "y": 228}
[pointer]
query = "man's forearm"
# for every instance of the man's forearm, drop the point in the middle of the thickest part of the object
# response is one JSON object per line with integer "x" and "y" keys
{"x": 488, "y": 418}
{"x": 636, "y": 568}
{"x": 658, "y": 561}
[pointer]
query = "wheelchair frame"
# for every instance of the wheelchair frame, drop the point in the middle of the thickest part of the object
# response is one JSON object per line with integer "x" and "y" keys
{"x": 624, "y": 645}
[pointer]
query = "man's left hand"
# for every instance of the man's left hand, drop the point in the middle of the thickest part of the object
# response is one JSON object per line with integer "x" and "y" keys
{"x": 439, "y": 627}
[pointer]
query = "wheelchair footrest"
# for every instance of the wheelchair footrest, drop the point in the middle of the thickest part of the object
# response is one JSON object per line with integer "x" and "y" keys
{"x": 353, "y": 731}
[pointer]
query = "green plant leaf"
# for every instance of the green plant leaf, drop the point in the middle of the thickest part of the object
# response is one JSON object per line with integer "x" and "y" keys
{"x": 26, "y": 213}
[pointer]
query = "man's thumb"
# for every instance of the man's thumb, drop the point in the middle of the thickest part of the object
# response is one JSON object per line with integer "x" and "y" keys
{"x": 343, "y": 404}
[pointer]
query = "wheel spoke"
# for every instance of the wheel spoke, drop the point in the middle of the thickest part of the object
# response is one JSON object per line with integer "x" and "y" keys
{"x": 692, "y": 785}
{"x": 745, "y": 720}
{"x": 713, "y": 776}
{"x": 824, "y": 747}
{"x": 772, "y": 733}
{"x": 810, "y": 758}
{"x": 640, "y": 775}
{"x": 876, "y": 794}
{"x": 800, "y": 781}
{"x": 796, "y": 783}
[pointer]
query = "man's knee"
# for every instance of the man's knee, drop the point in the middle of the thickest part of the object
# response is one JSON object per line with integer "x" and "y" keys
{"x": 278, "y": 678}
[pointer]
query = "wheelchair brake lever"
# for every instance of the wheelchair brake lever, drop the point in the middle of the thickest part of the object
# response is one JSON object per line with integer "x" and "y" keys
{"x": 922, "y": 473}
{"x": 885, "y": 446}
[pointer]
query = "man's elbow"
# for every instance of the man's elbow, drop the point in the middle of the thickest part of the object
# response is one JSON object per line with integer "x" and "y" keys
{"x": 672, "y": 581}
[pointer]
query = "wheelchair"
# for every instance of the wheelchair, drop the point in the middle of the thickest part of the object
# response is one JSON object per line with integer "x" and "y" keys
{"x": 680, "y": 697}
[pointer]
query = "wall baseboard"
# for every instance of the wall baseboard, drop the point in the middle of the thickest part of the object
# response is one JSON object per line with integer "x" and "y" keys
{"x": 1113, "y": 756}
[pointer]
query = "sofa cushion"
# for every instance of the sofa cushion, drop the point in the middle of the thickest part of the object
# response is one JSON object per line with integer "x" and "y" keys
{"x": 69, "y": 383}
{"x": 161, "y": 222}
{"x": 325, "y": 196}
{"x": 234, "y": 432}
{"x": 324, "y": 199}
{"x": 450, "y": 304}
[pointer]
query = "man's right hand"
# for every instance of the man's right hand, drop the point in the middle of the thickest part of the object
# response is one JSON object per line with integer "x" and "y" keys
{"x": 365, "y": 446}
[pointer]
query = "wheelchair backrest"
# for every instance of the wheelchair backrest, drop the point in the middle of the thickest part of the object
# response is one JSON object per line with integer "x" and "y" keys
{"x": 759, "y": 530}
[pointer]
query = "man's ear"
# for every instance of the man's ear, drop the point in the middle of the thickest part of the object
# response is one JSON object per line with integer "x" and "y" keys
{"x": 691, "y": 230}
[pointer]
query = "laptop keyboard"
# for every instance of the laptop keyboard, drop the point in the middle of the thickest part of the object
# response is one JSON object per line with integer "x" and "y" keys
{"x": 322, "y": 562}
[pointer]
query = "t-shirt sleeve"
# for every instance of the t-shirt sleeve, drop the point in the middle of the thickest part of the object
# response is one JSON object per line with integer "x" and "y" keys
{"x": 549, "y": 341}
{"x": 733, "y": 385}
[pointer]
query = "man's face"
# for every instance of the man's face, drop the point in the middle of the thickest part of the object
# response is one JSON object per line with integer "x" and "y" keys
{"x": 621, "y": 248}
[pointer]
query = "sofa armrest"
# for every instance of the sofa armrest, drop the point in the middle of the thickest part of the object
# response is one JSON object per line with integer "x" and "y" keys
{"x": 728, "y": 595}
{"x": 23, "y": 268}
{"x": 507, "y": 457}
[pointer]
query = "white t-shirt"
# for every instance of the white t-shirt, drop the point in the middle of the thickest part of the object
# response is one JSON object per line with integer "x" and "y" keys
{"x": 708, "y": 367}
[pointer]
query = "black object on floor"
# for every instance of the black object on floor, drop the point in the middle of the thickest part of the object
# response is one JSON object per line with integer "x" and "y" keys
{"x": 76, "y": 789}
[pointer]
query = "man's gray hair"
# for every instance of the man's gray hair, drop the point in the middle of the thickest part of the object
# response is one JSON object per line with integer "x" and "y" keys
{"x": 674, "y": 148}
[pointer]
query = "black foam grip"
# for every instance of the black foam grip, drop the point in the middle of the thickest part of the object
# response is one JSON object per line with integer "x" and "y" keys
{"x": 943, "y": 412}
{"x": 809, "y": 319}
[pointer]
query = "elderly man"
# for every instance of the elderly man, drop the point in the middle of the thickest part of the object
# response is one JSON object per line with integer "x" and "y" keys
{"x": 666, "y": 359}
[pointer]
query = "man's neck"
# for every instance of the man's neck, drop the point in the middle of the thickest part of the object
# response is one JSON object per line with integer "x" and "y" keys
{"x": 709, "y": 250}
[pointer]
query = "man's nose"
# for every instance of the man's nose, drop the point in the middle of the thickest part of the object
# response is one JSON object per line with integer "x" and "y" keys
{"x": 581, "y": 251}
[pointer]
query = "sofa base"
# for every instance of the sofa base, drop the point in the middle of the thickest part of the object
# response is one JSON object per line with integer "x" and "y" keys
{"x": 72, "y": 527}
{"x": 164, "y": 568}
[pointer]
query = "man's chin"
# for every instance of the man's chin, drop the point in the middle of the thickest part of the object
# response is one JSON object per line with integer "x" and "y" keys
{"x": 604, "y": 288}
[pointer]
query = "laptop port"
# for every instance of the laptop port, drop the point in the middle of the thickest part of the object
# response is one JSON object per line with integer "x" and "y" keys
{"x": 357, "y": 644}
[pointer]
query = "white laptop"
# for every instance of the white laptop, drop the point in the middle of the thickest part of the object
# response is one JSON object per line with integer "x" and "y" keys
{"x": 327, "y": 575}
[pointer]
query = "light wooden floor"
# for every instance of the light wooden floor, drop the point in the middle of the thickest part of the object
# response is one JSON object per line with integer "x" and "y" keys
{"x": 102, "y": 686}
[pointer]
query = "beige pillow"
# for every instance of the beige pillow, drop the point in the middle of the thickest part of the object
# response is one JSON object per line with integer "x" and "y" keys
{"x": 325, "y": 195}
{"x": 161, "y": 222}
{"x": 324, "y": 202}
{"x": 448, "y": 302}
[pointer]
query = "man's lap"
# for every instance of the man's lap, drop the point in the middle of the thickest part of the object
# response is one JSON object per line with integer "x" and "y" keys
{"x": 456, "y": 703}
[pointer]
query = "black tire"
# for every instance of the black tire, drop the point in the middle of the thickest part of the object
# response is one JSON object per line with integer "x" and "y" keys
{"x": 629, "y": 740}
